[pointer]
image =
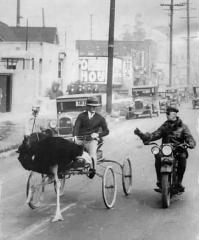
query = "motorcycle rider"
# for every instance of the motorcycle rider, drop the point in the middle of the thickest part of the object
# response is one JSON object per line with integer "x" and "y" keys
{"x": 171, "y": 131}
{"x": 91, "y": 125}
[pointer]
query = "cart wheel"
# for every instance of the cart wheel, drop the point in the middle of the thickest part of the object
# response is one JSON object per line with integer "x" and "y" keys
{"x": 127, "y": 176}
{"x": 62, "y": 182}
{"x": 109, "y": 187}
{"x": 34, "y": 189}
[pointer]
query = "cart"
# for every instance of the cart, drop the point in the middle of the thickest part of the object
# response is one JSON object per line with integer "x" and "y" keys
{"x": 36, "y": 183}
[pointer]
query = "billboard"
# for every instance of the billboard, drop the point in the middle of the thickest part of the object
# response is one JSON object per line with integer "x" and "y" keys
{"x": 94, "y": 70}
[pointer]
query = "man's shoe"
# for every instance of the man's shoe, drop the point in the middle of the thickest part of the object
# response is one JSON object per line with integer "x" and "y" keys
{"x": 159, "y": 184}
{"x": 91, "y": 173}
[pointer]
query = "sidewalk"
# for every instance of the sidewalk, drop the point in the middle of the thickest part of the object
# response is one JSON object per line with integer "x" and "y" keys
{"x": 11, "y": 130}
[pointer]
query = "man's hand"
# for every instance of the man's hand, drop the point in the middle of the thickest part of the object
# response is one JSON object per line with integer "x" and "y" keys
{"x": 95, "y": 135}
{"x": 74, "y": 139}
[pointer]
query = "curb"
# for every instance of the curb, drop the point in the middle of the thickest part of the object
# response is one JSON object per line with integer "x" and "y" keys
{"x": 9, "y": 150}
{"x": 8, "y": 153}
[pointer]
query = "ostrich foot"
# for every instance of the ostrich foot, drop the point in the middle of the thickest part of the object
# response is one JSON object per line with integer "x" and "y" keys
{"x": 57, "y": 217}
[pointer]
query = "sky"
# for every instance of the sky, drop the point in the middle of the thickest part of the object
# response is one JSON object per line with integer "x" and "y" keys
{"x": 73, "y": 17}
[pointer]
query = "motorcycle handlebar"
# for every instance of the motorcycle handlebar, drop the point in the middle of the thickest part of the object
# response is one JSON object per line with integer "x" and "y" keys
{"x": 184, "y": 145}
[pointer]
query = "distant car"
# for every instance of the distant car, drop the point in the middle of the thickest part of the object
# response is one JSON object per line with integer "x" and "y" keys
{"x": 173, "y": 97}
{"x": 144, "y": 102}
{"x": 195, "y": 100}
{"x": 163, "y": 101}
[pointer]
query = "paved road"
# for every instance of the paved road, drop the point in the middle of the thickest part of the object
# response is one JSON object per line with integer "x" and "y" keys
{"x": 134, "y": 218}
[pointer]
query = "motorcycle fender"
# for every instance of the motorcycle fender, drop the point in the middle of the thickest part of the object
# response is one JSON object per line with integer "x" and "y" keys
{"x": 166, "y": 169}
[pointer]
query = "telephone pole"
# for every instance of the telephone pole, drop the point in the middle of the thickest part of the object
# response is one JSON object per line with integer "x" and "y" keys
{"x": 188, "y": 45}
{"x": 43, "y": 18}
{"x": 18, "y": 13}
{"x": 26, "y": 34}
{"x": 171, "y": 9}
{"x": 188, "y": 39}
{"x": 110, "y": 57}
{"x": 91, "y": 26}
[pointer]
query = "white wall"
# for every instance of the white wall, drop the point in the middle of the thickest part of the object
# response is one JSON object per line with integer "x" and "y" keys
{"x": 29, "y": 84}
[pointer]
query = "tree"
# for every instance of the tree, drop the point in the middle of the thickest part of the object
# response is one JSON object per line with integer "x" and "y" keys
{"x": 139, "y": 33}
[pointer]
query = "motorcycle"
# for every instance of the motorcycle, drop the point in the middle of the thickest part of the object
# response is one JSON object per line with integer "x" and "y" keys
{"x": 169, "y": 165}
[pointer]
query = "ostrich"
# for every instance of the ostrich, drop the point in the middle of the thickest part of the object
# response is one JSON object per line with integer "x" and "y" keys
{"x": 50, "y": 155}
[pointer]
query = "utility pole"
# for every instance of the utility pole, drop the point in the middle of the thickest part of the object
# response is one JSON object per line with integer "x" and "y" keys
{"x": 110, "y": 57}
{"x": 26, "y": 34}
{"x": 188, "y": 45}
{"x": 91, "y": 26}
{"x": 65, "y": 40}
{"x": 171, "y": 9}
{"x": 43, "y": 18}
{"x": 171, "y": 45}
{"x": 188, "y": 38}
{"x": 18, "y": 13}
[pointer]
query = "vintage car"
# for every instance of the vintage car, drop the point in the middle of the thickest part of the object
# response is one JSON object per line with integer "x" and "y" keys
{"x": 173, "y": 97}
{"x": 183, "y": 93}
{"x": 163, "y": 101}
{"x": 145, "y": 102}
{"x": 68, "y": 108}
{"x": 195, "y": 100}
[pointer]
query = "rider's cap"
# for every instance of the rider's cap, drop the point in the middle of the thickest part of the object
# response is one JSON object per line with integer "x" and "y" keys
{"x": 93, "y": 101}
{"x": 172, "y": 109}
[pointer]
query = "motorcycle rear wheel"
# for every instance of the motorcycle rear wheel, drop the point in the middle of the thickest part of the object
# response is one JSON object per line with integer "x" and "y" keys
{"x": 166, "y": 194}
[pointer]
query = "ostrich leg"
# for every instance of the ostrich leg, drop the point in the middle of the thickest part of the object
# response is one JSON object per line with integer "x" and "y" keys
{"x": 58, "y": 216}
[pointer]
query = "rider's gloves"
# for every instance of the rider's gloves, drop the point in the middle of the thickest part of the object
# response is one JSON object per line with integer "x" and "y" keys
{"x": 190, "y": 146}
{"x": 137, "y": 132}
{"x": 95, "y": 135}
{"x": 144, "y": 136}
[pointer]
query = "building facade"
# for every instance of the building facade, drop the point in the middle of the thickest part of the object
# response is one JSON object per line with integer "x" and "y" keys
{"x": 132, "y": 62}
{"x": 30, "y": 61}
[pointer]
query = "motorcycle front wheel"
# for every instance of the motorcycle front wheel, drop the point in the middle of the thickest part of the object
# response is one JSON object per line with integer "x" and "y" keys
{"x": 166, "y": 193}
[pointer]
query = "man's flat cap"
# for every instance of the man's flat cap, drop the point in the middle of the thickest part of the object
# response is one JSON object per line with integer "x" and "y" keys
{"x": 172, "y": 109}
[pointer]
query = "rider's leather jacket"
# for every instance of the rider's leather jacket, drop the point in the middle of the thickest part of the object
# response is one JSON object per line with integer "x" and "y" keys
{"x": 170, "y": 132}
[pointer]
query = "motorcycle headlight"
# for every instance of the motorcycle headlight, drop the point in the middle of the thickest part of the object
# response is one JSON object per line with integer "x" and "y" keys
{"x": 53, "y": 124}
{"x": 155, "y": 150}
{"x": 167, "y": 150}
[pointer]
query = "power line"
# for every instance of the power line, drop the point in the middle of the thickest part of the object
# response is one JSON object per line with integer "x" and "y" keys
{"x": 171, "y": 9}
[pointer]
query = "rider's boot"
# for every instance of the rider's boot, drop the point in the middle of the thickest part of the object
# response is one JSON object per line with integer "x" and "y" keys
{"x": 180, "y": 187}
{"x": 159, "y": 189}
{"x": 158, "y": 183}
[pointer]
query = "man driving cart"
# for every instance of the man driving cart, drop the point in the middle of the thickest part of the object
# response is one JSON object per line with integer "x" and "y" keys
{"x": 90, "y": 127}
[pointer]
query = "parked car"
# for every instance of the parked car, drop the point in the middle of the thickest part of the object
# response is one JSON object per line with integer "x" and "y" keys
{"x": 144, "y": 102}
{"x": 195, "y": 100}
{"x": 163, "y": 101}
{"x": 173, "y": 97}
